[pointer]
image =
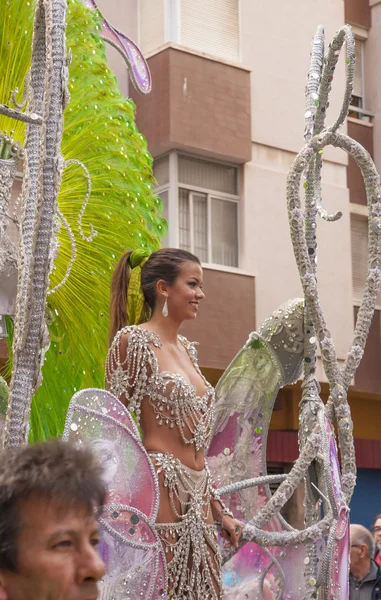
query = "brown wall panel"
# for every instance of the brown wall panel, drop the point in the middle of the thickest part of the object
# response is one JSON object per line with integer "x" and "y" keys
{"x": 357, "y": 12}
{"x": 225, "y": 319}
{"x": 368, "y": 375}
{"x": 355, "y": 182}
{"x": 3, "y": 348}
{"x": 368, "y": 454}
{"x": 153, "y": 110}
{"x": 3, "y": 353}
{"x": 282, "y": 447}
{"x": 196, "y": 104}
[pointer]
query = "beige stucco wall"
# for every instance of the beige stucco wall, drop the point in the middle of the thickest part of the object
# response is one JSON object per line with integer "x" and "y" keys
{"x": 276, "y": 39}
{"x": 277, "y": 50}
{"x": 268, "y": 250}
{"x": 123, "y": 15}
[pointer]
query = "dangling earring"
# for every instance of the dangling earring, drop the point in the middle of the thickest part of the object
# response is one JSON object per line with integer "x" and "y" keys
{"x": 164, "y": 312}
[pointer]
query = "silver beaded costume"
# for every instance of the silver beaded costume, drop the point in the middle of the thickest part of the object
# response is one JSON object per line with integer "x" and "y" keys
{"x": 131, "y": 544}
{"x": 190, "y": 542}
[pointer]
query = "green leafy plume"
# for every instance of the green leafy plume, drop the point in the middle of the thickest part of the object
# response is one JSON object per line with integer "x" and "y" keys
{"x": 100, "y": 131}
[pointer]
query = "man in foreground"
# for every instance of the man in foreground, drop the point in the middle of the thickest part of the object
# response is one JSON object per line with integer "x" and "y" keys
{"x": 48, "y": 531}
{"x": 365, "y": 575}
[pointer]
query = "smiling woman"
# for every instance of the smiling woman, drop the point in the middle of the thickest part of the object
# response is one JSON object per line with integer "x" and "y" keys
{"x": 154, "y": 371}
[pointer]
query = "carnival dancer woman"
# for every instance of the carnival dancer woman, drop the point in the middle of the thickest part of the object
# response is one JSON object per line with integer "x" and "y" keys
{"x": 154, "y": 371}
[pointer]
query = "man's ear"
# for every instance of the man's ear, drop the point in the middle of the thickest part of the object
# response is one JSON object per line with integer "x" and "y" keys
{"x": 3, "y": 593}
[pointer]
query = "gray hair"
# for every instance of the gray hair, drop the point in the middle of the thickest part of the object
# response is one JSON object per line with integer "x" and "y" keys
{"x": 360, "y": 535}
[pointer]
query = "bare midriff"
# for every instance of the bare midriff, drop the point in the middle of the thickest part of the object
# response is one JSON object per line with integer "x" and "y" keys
{"x": 161, "y": 438}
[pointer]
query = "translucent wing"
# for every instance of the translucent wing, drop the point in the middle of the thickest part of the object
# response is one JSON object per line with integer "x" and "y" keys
{"x": 271, "y": 358}
{"x": 264, "y": 574}
{"x": 336, "y": 564}
{"x": 136, "y": 63}
{"x": 130, "y": 547}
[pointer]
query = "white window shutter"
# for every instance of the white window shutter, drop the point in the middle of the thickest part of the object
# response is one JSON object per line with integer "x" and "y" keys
{"x": 200, "y": 226}
{"x": 224, "y": 232}
{"x": 211, "y": 26}
{"x": 358, "y": 82}
{"x": 151, "y": 25}
{"x": 208, "y": 174}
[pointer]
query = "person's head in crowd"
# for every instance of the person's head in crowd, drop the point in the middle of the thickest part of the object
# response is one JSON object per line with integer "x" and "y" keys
{"x": 362, "y": 549}
{"x": 376, "y": 530}
{"x": 48, "y": 531}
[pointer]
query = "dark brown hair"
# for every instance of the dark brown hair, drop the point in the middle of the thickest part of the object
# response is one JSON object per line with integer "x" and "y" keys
{"x": 163, "y": 264}
{"x": 53, "y": 470}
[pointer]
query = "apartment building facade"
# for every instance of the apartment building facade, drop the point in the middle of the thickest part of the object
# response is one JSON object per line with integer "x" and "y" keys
{"x": 223, "y": 122}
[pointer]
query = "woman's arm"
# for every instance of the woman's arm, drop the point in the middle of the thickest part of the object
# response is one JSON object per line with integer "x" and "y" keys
{"x": 117, "y": 358}
{"x": 231, "y": 529}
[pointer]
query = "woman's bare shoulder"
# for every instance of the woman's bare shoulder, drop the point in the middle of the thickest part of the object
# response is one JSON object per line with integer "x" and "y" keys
{"x": 133, "y": 336}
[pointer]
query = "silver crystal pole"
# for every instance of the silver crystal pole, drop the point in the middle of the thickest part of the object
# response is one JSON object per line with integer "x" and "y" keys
{"x": 315, "y": 418}
{"x": 310, "y": 402}
{"x": 43, "y": 166}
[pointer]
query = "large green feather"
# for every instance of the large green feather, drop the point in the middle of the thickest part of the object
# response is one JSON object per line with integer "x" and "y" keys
{"x": 100, "y": 131}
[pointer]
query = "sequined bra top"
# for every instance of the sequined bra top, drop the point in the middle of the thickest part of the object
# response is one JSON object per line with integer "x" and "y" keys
{"x": 173, "y": 399}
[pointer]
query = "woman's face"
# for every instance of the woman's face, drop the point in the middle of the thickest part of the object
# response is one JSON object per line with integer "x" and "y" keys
{"x": 186, "y": 292}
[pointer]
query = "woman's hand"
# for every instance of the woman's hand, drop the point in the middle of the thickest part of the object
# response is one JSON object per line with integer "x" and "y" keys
{"x": 231, "y": 531}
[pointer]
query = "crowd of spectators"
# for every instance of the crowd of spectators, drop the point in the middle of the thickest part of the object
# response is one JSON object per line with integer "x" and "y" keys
{"x": 365, "y": 562}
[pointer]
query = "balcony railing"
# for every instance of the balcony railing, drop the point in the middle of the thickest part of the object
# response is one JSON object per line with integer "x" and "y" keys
{"x": 360, "y": 113}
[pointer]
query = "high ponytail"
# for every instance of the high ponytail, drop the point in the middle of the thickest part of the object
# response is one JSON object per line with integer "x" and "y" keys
{"x": 118, "y": 298}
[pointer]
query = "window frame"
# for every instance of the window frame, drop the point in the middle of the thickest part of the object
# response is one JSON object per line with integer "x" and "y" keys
{"x": 362, "y": 97}
{"x": 173, "y": 187}
{"x": 361, "y": 113}
{"x": 209, "y": 196}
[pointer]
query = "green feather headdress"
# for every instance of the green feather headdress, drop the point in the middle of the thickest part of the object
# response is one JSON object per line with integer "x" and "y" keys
{"x": 100, "y": 131}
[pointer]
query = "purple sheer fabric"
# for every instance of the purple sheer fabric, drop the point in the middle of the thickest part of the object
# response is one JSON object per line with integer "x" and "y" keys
{"x": 130, "y": 547}
{"x": 136, "y": 63}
